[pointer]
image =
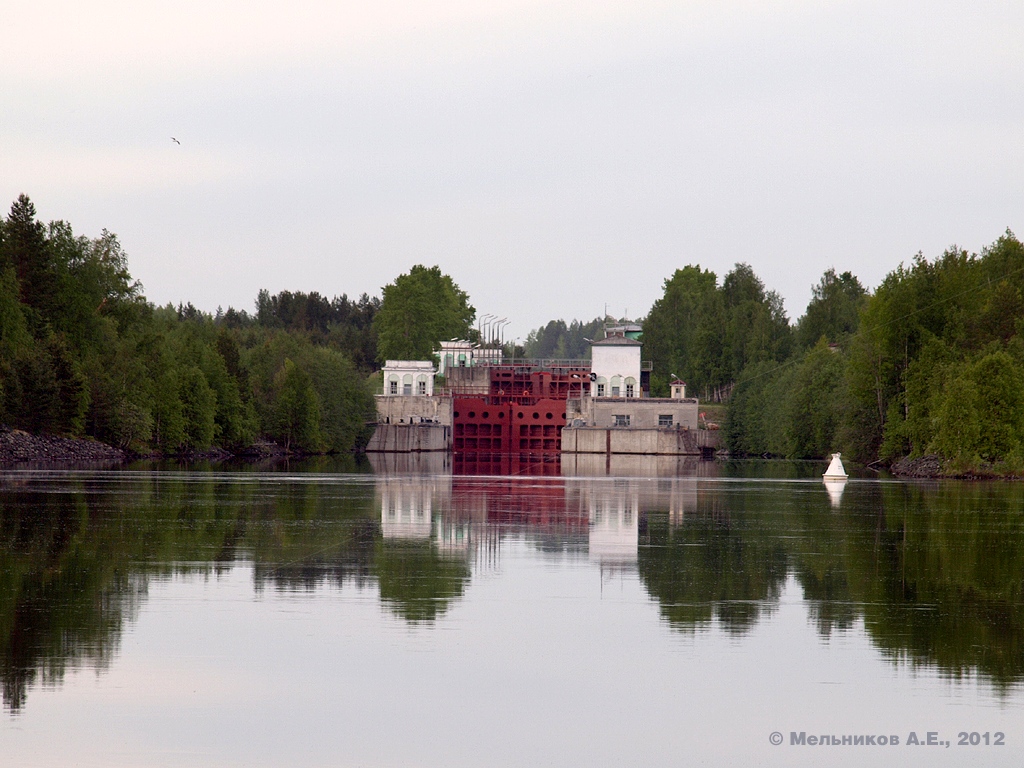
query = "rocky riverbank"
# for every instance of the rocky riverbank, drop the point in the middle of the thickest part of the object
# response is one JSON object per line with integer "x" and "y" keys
{"x": 21, "y": 448}
{"x": 936, "y": 467}
{"x": 925, "y": 466}
{"x": 17, "y": 447}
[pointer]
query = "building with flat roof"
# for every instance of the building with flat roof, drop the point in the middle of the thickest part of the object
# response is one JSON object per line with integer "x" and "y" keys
{"x": 408, "y": 377}
{"x": 615, "y": 367}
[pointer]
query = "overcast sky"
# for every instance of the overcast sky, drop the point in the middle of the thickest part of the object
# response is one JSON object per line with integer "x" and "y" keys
{"x": 553, "y": 157}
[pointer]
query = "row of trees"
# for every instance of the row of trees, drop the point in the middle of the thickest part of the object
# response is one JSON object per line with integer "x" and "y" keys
{"x": 82, "y": 353}
{"x": 708, "y": 333}
{"x": 938, "y": 364}
{"x": 560, "y": 341}
{"x": 931, "y": 363}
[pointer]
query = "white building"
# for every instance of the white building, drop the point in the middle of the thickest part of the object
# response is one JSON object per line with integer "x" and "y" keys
{"x": 455, "y": 354}
{"x": 408, "y": 377}
{"x": 615, "y": 367}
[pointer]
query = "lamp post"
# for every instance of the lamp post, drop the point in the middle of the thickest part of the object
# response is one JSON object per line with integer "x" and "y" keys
{"x": 481, "y": 328}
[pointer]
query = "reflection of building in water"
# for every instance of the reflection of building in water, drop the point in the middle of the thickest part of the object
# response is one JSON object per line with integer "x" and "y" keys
{"x": 424, "y": 463}
{"x": 506, "y": 464}
{"x": 468, "y": 516}
{"x": 407, "y": 504}
{"x": 679, "y": 496}
{"x": 420, "y": 507}
{"x": 614, "y": 520}
{"x": 617, "y": 506}
{"x": 624, "y": 465}
{"x": 452, "y": 537}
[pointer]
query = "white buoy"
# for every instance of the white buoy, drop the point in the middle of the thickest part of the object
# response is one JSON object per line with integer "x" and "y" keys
{"x": 835, "y": 470}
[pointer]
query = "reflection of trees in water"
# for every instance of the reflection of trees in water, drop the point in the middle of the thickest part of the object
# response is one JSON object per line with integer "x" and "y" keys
{"x": 76, "y": 557}
{"x": 305, "y": 535}
{"x": 416, "y": 582}
{"x": 951, "y": 588}
{"x": 309, "y": 534}
{"x": 348, "y": 560}
{"x": 716, "y": 563}
{"x": 936, "y": 573}
{"x": 61, "y": 605}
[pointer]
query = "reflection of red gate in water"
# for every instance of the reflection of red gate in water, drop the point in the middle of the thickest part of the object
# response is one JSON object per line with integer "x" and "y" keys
{"x": 521, "y": 418}
{"x": 509, "y": 503}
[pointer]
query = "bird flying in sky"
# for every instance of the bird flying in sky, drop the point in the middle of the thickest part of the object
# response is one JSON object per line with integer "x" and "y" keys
{"x": 175, "y": 141}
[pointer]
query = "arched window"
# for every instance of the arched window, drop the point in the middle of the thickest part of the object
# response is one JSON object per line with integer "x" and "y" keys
{"x": 393, "y": 384}
{"x": 407, "y": 384}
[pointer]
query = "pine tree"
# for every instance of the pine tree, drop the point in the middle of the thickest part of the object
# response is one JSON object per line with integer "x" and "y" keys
{"x": 26, "y": 249}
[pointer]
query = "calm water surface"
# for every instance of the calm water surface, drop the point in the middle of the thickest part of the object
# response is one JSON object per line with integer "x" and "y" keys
{"x": 637, "y": 614}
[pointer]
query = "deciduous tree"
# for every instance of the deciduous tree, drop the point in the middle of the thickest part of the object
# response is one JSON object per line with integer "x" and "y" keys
{"x": 419, "y": 310}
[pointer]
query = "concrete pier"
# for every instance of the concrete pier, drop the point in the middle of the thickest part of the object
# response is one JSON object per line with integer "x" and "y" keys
{"x": 410, "y": 438}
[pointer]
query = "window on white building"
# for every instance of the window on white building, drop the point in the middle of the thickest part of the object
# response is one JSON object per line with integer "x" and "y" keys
{"x": 629, "y": 390}
{"x": 407, "y": 389}
{"x": 665, "y": 420}
{"x": 615, "y": 391}
{"x": 600, "y": 390}
{"x": 422, "y": 387}
{"x": 394, "y": 388}
{"x": 621, "y": 420}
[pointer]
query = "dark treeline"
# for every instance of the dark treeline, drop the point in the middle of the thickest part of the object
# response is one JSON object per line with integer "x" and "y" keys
{"x": 560, "y": 341}
{"x": 931, "y": 362}
{"x": 797, "y": 405}
{"x": 82, "y": 353}
{"x": 708, "y": 334}
{"x": 339, "y": 322}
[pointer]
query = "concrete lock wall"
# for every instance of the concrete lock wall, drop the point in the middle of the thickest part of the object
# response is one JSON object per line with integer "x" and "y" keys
{"x": 469, "y": 381}
{"x": 405, "y": 409}
{"x": 639, "y": 441}
{"x": 643, "y": 413}
{"x": 410, "y": 438}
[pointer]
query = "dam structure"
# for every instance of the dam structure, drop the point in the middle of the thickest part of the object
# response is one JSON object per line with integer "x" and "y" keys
{"x": 498, "y": 415}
